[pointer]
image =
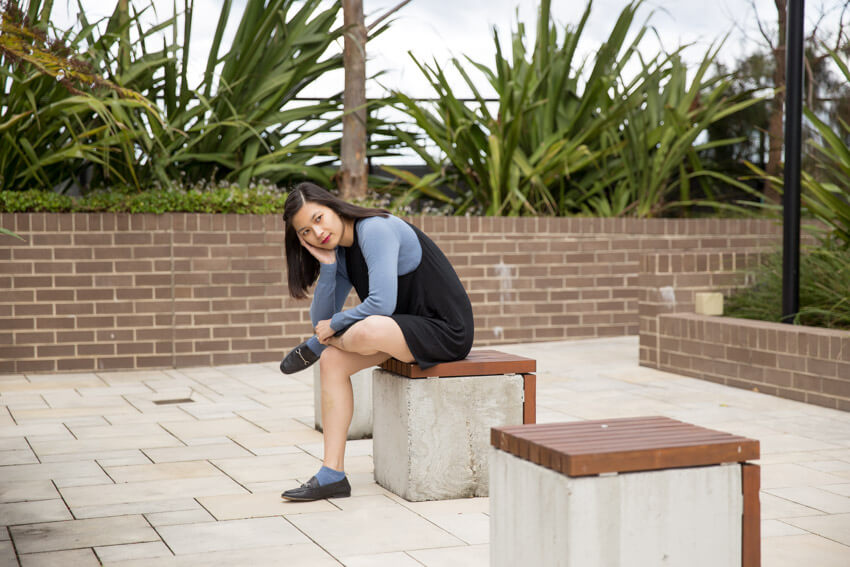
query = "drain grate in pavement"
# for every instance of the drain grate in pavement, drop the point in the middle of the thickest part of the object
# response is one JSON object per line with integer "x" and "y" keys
{"x": 175, "y": 401}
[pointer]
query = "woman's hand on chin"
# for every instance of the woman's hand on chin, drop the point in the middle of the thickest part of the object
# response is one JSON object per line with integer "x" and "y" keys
{"x": 320, "y": 254}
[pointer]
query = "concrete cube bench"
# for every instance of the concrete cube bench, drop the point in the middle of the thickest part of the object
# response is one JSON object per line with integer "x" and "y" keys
{"x": 630, "y": 492}
{"x": 431, "y": 427}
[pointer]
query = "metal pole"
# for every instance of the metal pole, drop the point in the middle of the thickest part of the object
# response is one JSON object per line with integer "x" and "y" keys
{"x": 793, "y": 156}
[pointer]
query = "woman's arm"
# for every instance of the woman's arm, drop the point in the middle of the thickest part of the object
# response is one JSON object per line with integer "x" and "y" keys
{"x": 330, "y": 293}
{"x": 380, "y": 244}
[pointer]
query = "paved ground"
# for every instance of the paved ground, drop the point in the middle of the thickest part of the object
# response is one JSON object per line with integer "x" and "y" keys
{"x": 93, "y": 470}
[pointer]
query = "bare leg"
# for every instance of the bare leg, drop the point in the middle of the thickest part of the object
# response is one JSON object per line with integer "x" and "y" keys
{"x": 366, "y": 343}
{"x": 336, "y": 367}
{"x": 374, "y": 334}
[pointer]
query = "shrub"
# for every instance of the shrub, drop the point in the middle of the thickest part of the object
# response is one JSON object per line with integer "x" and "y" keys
{"x": 824, "y": 289}
{"x": 259, "y": 200}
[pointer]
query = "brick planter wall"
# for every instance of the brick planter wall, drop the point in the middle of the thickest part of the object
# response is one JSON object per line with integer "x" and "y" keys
{"x": 669, "y": 281}
{"x": 801, "y": 363}
{"x": 116, "y": 291}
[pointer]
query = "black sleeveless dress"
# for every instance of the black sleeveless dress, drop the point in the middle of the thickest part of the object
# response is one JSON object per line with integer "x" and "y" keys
{"x": 432, "y": 307}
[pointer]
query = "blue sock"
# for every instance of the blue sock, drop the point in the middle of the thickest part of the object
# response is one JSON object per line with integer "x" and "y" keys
{"x": 314, "y": 345}
{"x": 329, "y": 476}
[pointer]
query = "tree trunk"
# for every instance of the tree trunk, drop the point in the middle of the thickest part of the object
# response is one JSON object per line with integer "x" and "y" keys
{"x": 777, "y": 110}
{"x": 353, "y": 174}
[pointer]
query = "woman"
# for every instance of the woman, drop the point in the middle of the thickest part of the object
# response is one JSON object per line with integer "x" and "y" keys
{"x": 413, "y": 308}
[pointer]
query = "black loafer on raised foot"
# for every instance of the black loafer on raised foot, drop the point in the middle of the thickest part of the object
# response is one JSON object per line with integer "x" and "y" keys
{"x": 299, "y": 358}
{"x": 311, "y": 490}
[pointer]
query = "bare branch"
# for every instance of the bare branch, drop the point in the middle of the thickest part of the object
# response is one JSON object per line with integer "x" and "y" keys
{"x": 840, "y": 33}
{"x": 810, "y": 95}
{"x": 387, "y": 14}
{"x": 816, "y": 27}
{"x": 764, "y": 33}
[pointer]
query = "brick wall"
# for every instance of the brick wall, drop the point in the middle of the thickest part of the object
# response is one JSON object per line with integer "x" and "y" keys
{"x": 115, "y": 291}
{"x": 669, "y": 281}
{"x": 801, "y": 363}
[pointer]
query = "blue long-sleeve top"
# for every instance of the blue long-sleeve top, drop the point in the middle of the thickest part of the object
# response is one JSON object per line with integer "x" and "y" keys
{"x": 391, "y": 249}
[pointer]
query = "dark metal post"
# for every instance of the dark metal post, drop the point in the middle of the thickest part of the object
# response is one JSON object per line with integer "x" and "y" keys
{"x": 793, "y": 157}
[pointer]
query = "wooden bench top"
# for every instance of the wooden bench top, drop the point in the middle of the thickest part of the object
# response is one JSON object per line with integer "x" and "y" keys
{"x": 478, "y": 363}
{"x": 622, "y": 445}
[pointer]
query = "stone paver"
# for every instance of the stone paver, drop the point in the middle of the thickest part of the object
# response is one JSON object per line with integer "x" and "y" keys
{"x": 93, "y": 471}
{"x": 75, "y": 557}
{"x": 230, "y": 534}
{"x": 78, "y": 534}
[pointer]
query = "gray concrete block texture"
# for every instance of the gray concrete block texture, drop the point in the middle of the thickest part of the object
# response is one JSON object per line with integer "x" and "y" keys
{"x": 431, "y": 436}
{"x": 689, "y": 517}
{"x": 361, "y": 420}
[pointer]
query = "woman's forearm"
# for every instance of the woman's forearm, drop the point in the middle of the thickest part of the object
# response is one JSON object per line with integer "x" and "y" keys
{"x": 324, "y": 294}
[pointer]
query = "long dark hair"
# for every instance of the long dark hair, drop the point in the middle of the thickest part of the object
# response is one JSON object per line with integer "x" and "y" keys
{"x": 302, "y": 268}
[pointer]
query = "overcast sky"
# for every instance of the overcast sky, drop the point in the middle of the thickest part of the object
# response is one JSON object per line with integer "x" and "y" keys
{"x": 444, "y": 28}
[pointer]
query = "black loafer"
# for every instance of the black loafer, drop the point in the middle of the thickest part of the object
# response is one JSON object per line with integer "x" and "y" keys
{"x": 298, "y": 359}
{"x": 311, "y": 490}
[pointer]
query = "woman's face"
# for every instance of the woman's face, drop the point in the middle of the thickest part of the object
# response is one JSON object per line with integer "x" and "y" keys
{"x": 319, "y": 226}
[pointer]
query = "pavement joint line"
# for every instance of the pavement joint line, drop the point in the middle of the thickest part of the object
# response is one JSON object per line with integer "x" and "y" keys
{"x": 409, "y": 555}
{"x": 159, "y": 535}
{"x": 316, "y": 543}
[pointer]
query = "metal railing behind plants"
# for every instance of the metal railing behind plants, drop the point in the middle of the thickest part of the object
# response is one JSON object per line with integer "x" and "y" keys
{"x": 239, "y": 123}
{"x": 566, "y": 138}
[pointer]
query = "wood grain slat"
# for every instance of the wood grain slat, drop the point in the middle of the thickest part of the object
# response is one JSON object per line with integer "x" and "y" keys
{"x": 622, "y": 445}
{"x": 751, "y": 524}
{"x": 529, "y": 399}
{"x": 478, "y": 363}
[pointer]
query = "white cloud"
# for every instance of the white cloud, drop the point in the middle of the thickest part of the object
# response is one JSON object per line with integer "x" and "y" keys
{"x": 440, "y": 29}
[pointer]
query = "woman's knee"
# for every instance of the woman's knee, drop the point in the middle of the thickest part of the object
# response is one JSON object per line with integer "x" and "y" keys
{"x": 331, "y": 358}
{"x": 368, "y": 332}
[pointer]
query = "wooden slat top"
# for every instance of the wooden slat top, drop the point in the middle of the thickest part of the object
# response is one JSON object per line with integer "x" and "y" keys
{"x": 479, "y": 363}
{"x": 622, "y": 445}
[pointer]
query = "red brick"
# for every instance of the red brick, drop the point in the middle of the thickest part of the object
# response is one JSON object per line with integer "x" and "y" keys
{"x": 74, "y": 336}
{"x": 248, "y": 344}
{"x": 55, "y": 323}
{"x": 74, "y": 309}
{"x": 55, "y": 351}
{"x": 130, "y": 266}
{"x": 95, "y": 322}
{"x": 115, "y": 363}
{"x": 211, "y": 292}
{"x": 230, "y": 332}
{"x": 90, "y": 240}
{"x": 134, "y": 348}
{"x": 29, "y": 253}
{"x": 264, "y": 304}
{"x": 153, "y": 307}
{"x": 114, "y": 335}
{"x": 133, "y": 293}
{"x": 824, "y": 368}
{"x": 153, "y": 361}
{"x": 46, "y": 295}
{"x": 153, "y": 280}
{"x": 15, "y": 352}
{"x": 35, "y": 366}
{"x": 47, "y": 267}
{"x": 132, "y": 238}
{"x": 96, "y": 350}
{"x": 75, "y": 364}
{"x": 154, "y": 334}
{"x": 32, "y": 310}
{"x": 139, "y": 321}
{"x": 114, "y": 308}
{"x": 95, "y": 294}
